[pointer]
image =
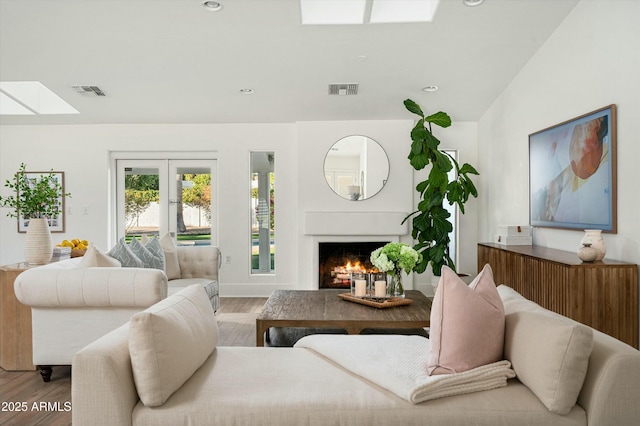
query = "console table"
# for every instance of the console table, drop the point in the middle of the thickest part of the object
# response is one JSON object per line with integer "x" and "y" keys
{"x": 16, "y": 351}
{"x": 602, "y": 295}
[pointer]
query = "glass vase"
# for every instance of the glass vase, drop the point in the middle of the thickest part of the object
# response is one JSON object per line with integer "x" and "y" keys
{"x": 395, "y": 288}
{"x": 358, "y": 285}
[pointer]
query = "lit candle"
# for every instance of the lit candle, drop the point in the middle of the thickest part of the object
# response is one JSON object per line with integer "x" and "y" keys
{"x": 361, "y": 288}
{"x": 380, "y": 288}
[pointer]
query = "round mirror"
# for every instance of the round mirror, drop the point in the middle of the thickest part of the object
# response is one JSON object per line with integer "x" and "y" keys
{"x": 356, "y": 167}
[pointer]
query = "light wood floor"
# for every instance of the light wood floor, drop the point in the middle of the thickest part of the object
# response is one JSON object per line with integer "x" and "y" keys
{"x": 45, "y": 402}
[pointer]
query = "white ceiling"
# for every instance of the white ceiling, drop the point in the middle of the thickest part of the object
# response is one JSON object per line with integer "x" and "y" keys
{"x": 172, "y": 61}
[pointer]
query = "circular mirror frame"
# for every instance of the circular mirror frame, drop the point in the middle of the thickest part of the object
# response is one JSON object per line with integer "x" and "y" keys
{"x": 365, "y": 182}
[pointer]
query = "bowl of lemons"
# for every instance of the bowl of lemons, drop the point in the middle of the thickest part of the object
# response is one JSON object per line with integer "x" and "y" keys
{"x": 78, "y": 246}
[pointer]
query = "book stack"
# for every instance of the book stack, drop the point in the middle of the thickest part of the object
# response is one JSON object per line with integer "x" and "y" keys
{"x": 517, "y": 235}
{"x": 61, "y": 253}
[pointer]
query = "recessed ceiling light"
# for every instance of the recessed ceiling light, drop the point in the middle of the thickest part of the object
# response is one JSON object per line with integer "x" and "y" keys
{"x": 472, "y": 3}
{"x": 430, "y": 89}
{"x": 212, "y": 6}
{"x": 247, "y": 91}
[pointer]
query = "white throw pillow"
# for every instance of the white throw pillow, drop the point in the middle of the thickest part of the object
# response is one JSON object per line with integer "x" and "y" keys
{"x": 172, "y": 265}
{"x": 96, "y": 257}
{"x": 169, "y": 341}
{"x": 123, "y": 253}
{"x": 151, "y": 255}
{"x": 467, "y": 323}
{"x": 549, "y": 355}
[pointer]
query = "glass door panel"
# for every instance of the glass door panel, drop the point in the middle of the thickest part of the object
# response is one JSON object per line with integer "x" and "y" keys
{"x": 154, "y": 197}
{"x": 141, "y": 197}
{"x": 192, "y": 201}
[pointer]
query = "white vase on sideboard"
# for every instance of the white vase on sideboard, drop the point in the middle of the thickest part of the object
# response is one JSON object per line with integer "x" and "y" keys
{"x": 594, "y": 237}
{"x": 38, "y": 248}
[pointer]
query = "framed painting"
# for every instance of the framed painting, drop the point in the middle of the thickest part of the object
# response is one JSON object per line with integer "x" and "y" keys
{"x": 55, "y": 225}
{"x": 572, "y": 173}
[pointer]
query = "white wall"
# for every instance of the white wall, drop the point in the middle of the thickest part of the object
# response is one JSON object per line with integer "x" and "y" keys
{"x": 314, "y": 195}
{"x": 82, "y": 152}
{"x": 591, "y": 61}
{"x": 399, "y": 195}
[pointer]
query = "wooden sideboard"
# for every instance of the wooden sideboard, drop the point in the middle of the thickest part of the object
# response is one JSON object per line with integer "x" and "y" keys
{"x": 602, "y": 295}
{"x": 16, "y": 351}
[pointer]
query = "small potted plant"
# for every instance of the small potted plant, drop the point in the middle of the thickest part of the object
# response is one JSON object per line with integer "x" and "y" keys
{"x": 393, "y": 258}
{"x": 38, "y": 201}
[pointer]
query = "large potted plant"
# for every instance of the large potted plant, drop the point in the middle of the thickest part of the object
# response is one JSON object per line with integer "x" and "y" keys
{"x": 431, "y": 222}
{"x": 38, "y": 201}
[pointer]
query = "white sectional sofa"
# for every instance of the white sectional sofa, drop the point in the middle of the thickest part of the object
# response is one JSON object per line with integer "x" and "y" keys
{"x": 73, "y": 306}
{"x": 124, "y": 379}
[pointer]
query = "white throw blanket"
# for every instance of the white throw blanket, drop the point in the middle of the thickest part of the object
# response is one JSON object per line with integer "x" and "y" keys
{"x": 399, "y": 364}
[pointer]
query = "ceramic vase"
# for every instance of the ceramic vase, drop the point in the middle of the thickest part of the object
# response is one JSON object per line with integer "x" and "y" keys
{"x": 586, "y": 253}
{"x": 394, "y": 287}
{"x": 38, "y": 248}
{"x": 594, "y": 237}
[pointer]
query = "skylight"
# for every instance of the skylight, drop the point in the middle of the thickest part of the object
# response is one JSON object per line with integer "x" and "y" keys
{"x": 332, "y": 11}
{"x": 386, "y": 11}
{"x": 336, "y": 12}
{"x": 10, "y": 107}
{"x": 31, "y": 97}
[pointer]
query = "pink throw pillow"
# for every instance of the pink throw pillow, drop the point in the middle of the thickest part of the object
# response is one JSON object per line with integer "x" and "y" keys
{"x": 467, "y": 323}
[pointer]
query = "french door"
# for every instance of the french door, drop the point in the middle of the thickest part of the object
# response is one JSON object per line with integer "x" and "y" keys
{"x": 156, "y": 196}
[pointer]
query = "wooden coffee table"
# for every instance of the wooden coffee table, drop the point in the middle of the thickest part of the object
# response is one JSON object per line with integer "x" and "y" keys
{"x": 324, "y": 309}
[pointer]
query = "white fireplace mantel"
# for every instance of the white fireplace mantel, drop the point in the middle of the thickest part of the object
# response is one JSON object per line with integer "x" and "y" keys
{"x": 355, "y": 223}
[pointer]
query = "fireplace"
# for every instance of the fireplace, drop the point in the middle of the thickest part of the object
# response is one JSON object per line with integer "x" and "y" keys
{"x": 337, "y": 260}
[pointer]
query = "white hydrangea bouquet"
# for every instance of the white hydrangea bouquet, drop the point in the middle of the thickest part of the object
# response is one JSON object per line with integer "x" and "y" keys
{"x": 392, "y": 259}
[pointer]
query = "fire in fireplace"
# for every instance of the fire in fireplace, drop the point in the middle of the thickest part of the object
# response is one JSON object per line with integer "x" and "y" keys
{"x": 338, "y": 260}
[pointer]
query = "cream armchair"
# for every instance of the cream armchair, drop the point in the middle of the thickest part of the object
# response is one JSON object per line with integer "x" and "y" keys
{"x": 72, "y": 306}
{"x": 198, "y": 265}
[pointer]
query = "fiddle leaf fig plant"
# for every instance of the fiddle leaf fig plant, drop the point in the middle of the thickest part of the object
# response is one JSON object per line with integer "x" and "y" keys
{"x": 431, "y": 223}
{"x": 34, "y": 198}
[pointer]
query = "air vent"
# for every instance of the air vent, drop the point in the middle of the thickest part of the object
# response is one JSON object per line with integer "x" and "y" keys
{"x": 343, "y": 89}
{"x": 88, "y": 90}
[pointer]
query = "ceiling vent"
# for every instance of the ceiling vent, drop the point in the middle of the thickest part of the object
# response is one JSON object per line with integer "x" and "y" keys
{"x": 88, "y": 90}
{"x": 343, "y": 89}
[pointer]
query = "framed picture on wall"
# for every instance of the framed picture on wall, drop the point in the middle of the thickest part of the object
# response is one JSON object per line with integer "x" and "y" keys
{"x": 57, "y": 224}
{"x": 572, "y": 173}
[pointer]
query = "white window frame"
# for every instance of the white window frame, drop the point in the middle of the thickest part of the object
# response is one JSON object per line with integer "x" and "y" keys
{"x": 115, "y": 156}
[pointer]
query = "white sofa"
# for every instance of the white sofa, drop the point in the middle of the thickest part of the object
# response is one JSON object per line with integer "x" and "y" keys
{"x": 72, "y": 306}
{"x": 296, "y": 386}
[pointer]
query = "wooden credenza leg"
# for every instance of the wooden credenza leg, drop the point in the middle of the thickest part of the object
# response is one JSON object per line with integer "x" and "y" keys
{"x": 45, "y": 372}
